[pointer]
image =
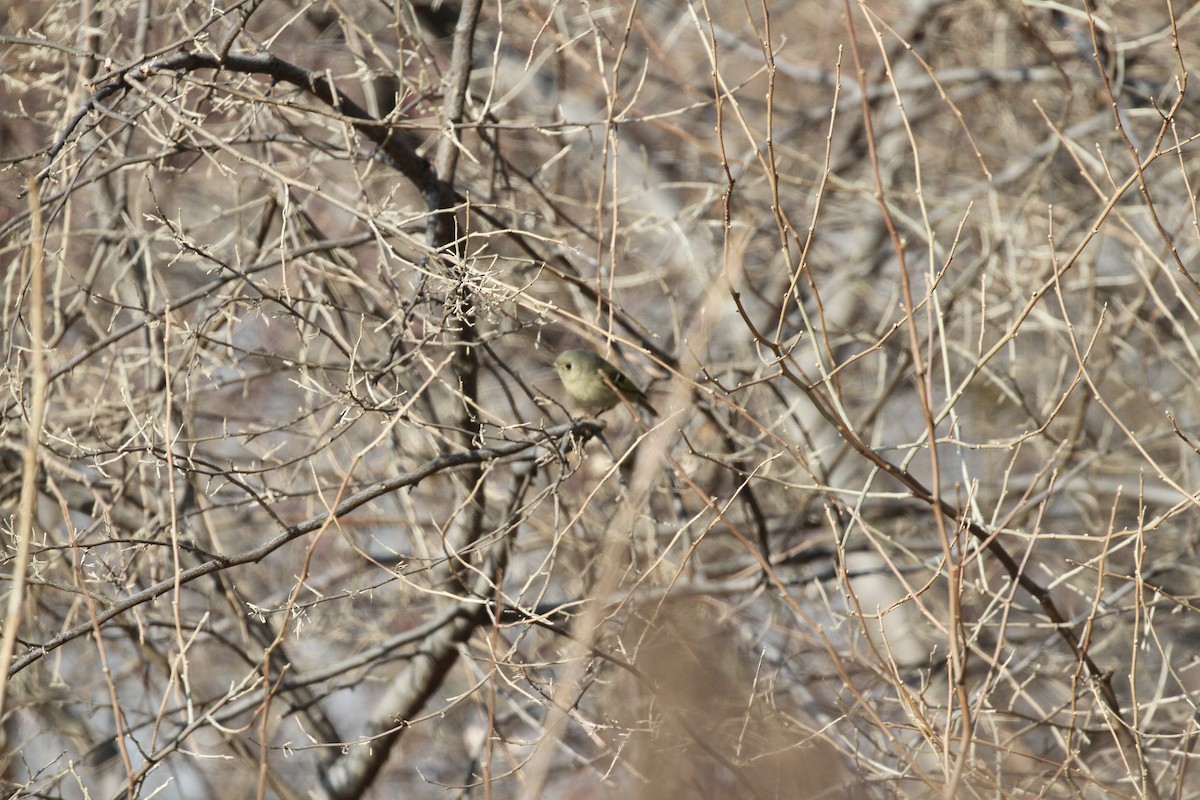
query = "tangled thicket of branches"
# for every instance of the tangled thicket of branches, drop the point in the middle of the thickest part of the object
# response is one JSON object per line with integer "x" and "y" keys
{"x": 293, "y": 502}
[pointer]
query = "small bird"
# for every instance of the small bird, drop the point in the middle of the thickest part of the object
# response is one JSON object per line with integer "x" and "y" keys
{"x": 591, "y": 381}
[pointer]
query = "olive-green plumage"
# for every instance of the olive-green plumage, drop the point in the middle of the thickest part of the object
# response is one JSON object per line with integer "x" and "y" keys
{"x": 596, "y": 385}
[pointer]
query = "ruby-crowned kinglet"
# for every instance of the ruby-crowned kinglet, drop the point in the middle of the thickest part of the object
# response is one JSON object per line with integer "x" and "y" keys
{"x": 590, "y": 380}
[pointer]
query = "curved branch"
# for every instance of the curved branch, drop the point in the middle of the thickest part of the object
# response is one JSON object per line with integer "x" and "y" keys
{"x": 399, "y": 151}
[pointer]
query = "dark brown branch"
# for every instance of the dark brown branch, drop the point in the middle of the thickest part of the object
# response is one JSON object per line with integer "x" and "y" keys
{"x": 399, "y": 152}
